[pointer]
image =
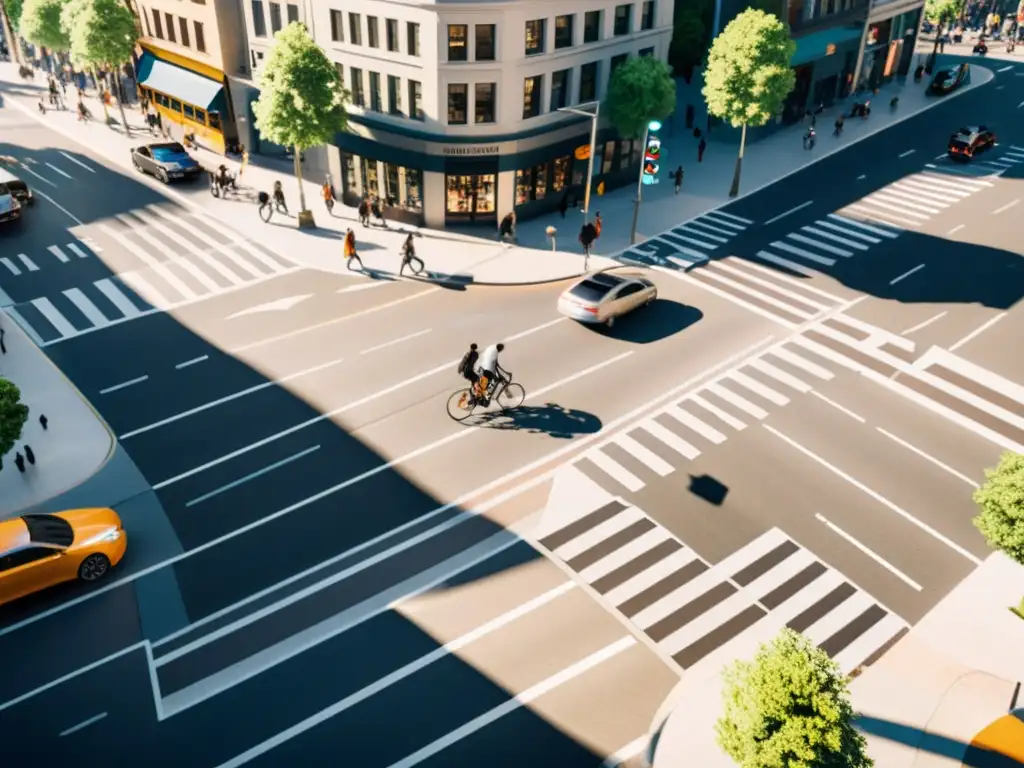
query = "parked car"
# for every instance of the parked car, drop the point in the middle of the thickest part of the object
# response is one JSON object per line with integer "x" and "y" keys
{"x": 165, "y": 161}
{"x": 602, "y": 297}
{"x": 948, "y": 80}
{"x": 967, "y": 142}
{"x": 18, "y": 188}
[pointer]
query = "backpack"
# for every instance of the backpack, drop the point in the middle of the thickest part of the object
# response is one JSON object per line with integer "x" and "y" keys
{"x": 463, "y": 363}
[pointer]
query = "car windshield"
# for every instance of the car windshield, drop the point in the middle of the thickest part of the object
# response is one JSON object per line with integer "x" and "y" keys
{"x": 959, "y": 143}
{"x": 590, "y": 291}
{"x": 172, "y": 152}
{"x": 4, "y": 190}
{"x": 943, "y": 77}
{"x": 49, "y": 529}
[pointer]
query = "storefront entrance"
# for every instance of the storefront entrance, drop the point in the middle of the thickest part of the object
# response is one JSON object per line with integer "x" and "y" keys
{"x": 471, "y": 197}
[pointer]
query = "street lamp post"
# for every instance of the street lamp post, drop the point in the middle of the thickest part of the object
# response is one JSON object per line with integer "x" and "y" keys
{"x": 653, "y": 125}
{"x": 594, "y": 116}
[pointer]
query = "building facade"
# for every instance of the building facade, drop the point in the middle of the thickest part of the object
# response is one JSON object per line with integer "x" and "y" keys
{"x": 454, "y": 114}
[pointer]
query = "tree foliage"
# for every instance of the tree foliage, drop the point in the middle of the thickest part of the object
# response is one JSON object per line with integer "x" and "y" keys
{"x": 101, "y": 32}
{"x": 939, "y": 11}
{"x": 689, "y": 39}
{"x": 748, "y": 76}
{"x": 641, "y": 90}
{"x": 41, "y": 24}
{"x": 302, "y": 101}
{"x": 1001, "y": 504}
{"x": 789, "y": 708}
{"x": 13, "y": 415}
{"x": 14, "y": 10}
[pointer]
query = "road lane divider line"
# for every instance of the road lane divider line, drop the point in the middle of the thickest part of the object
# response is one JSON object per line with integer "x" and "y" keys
{"x": 193, "y": 361}
{"x": 124, "y": 385}
{"x": 53, "y": 167}
{"x": 977, "y": 331}
{"x": 906, "y": 274}
{"x": 627, "y": 753}
{"x": 85, "y": 723}
{"x": 1006, "y": 207}
{"x": 362, "y": 287}
{"x": 252, "y": 476}
{"x": 870, "y": 553}
{"x": 928, "y": 457}
{"x": 908, "y": 153}
{"x": 79, "y": 163}
{"x": 925, "y": 324}
{"x": 720, "y": 369}
{"x": 787, "y": 213}
{"x": 391, "y": 343}
{"x": 228, "y": 398}
{"x": 1005, "y": 69}
{"x": 838, "y": 407}
{"x": 520, "y": 700}
{"x": 875, "y": 495}
{"x": 395, "y": 677}
{"x": 43, "y": 179}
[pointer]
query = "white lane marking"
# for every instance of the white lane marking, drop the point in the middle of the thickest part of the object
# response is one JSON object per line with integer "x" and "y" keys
{"x": 823, "y": 260}
{"x": 1006, "y": 207}
{"x": 978, "y": 331}
{"x": 135, "y": 226}
{"x": 400, "y": 674}
{"x": 79, "y": 163}
{"x": 228, "y": 398}
{"x": 862, "y": 176}
{"x": 1020, "y": 105}
{"x": 806, "y": 365}
{"x": 735, "y": 299}
{"x": 767, "y": 299}
{"x": 160, "y": 269}
{"x": 1005, "y": 69}
{"x": 723, "y": 416}
{"x": 691, "y": 422}
{"x": 771, "y": 285}
{"x": 878, "y": 230}
{"x": 252, "y": 476}
{"x": 362, "y": 287}
{"x": 773, "y": 273}
{"x": 779, "y": 375}
{"x": 876, "y": 496}
{"x": 328, "y": 323}
{"x": 734, "y": 217}
{"x": 91, "y": 311}
{"x": 84, "y": 723}
{"x": 61, "y": 256}
{"x": 461, "y": 515}
{"x": 870, "y": 553}
{"x": 180, "y": 223}
{"x": 939, "y": 157}
{"x": 740, "y": 402}
{"x": 41, "y": 178}
{"x": 955, "y": 229}
{"x": 928, "y": 457}
{"x": 648, "y": 458}
{"x": 785, "y": 263}
{"x": 669, "y": 438}
{"x": 278, "y": 305}
{"x": 58, "y": 170}
{"x": 55, "y": 318}
{"x": 787, "y": 213}
{"x": 29, "y": 264}
{"x": 758, "y": 388}
{"x": 124, "y": 385}
{"x": 10, "y": 265}
{"x": 896, "y": 200}
{"x": 925, "y": 324}
{"x": 908, "y": 153}
{"x": 395, "y": 341}
{"x": 614, "y": 470}
{"x": 193, "y": 361}
{"x": 905, "y": 275}
{"x": 77, "y": 251}
{"x": 169, "y": 234}
{"x": 883, "y": 213}
{"x": 626, "y": 753}
{"x": 835, "y": 238}
{"x": 838, "y": 407}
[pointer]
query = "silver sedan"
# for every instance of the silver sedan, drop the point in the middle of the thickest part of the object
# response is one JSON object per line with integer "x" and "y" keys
{"x": 602, "y": 297}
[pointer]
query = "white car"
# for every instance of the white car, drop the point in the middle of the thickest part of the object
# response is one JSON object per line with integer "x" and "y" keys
{"x": 10, "y": 208}
{"x": 600, "y": 298}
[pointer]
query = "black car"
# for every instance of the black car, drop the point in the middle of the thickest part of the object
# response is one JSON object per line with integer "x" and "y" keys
{"x": 165, "y": 161}
{"x": 967, "y": 142}
{"x": 948, "y": 80}
{"x": 18, "y": 188}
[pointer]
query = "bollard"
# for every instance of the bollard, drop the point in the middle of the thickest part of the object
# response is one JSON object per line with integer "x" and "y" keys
{"x": 551, "y": 232}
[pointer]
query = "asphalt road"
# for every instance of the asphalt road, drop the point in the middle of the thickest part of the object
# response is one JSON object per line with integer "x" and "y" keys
{"x": 293, "y": 425}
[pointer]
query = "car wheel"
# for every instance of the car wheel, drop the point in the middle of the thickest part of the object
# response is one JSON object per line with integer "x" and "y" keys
{"x": 162, "y": 175}
{"x": 94, "y": 567}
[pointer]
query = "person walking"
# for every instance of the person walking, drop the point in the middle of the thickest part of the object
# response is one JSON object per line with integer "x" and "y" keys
{"x": 700, "y": 150}
{"x": 679, "y": 178}
{"x": 350, "y": 250}
{"x": 563, "y": 204}
{"x": 364, "y": 212}
{"x": 409, "y": 256}
{"x": 507, "y": 228}
{"x": 598, "y": 225}
{"x": 328, "y": 193}
{"x": 378, "y": 211}
{"x": 840, "y": 122}
{"x": 588, "y": 234}
{"x": 279, "y": 197}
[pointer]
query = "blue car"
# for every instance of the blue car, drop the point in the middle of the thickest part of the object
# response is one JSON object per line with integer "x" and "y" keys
{"x": 165, "y": 161}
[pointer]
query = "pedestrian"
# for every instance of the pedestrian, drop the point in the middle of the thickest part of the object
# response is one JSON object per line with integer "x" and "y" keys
{"x": 598, "y": 225}
{"x": 377, "y": 211}
{"x": 563, "y": 204}
{"x": 279, "y": 197}
{"x": 409, "y": 256}
{"x": 43, "y": 421}
{"x": 700, "y": 150}
{"x": 19, "y": 462}
{"x": 245, "y": 160}
{"x": 30, "y": 454}
{"x": 588, "y": 234}
{"x": 679, "y": 178}
{"x": 328, "y": 193}
{"x": 3, "y": 345}
{"x": 364, "y": 212}
{"x": 350, "y": 250}
{"x": 840, "y": 121}
{"x": 507, "y": 228}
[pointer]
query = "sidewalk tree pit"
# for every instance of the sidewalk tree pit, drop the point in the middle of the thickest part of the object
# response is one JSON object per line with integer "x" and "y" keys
{"x": 13, "y": 415}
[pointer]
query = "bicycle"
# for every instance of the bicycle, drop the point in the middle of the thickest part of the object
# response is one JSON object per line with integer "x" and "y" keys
{"x": 265, "y": 206}
{"x": 508, "y": 395}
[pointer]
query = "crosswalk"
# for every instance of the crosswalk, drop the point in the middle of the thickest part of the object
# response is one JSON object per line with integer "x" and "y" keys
{"x": 182, "y": 257}
{"x": 703, "y": 614}
{"x": 690, "y": 243}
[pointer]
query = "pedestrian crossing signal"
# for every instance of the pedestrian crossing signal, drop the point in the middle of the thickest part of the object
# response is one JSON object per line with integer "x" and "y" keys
{"x": 652, "y": 161}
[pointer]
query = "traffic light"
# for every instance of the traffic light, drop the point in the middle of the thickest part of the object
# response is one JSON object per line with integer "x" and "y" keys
{"x": 652, "y": 160}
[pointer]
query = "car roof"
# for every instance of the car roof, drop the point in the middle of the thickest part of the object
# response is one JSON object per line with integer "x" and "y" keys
{"x": 167, "y": 145}
{"x": 6, "y": 176}
{"x": 13, "y": 535}
{"x": 606, "y": 279}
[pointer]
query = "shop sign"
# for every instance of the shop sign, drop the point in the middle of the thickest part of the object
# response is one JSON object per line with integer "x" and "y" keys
{"x": 582, "y": 152}
{"x": 464, "y": 150}
{"x": 830, "y": 49}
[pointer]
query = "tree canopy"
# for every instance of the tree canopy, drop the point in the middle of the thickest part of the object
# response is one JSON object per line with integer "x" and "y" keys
{"x": 748, "y": 75}
{"x": 14, "y": 10}
{"x": 938, "y": 11}
{"x": 641, "y": 90}
{"x": 41, "y": 24}
{"x": 789, "y": 708}
{"x": 302, "y": 101}
{"x": 101, "y": 32}
{"x": 1001, "y": 503}
{"x": 13, "y": 415}
{"x": 689, "y": 38}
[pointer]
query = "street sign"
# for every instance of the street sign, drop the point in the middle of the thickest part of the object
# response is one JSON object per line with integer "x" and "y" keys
{"x": 652, "y": 160}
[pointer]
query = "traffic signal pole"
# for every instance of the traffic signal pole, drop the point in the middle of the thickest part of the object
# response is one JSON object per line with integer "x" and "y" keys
{"x": 639, "y": 188}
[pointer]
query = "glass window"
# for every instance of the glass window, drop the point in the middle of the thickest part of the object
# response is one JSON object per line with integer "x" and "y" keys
{"x": 337, "y": 27}
{"x": 483, "y": 102}
{"x": 356, "y": 75}
{"x": 533, "y": 88}
{"x": 415, "y": 100}
{"x": 457, "y": 42}
{"x": 391, "y": 189}
{"x": 170, "y": 27}
{"x": 412, "y": 32}
{"x": 368, "y": 173}
{"x": 158, "y": 25}
{"x": 524, "y": 185}
{"x": 623, "y": 17}
{"x": 645, "y": 52}
{"x": 176, "y": 105}
{"x": 189, "y": 112}
{"x": 413, "y": 185}
{"x": 340, "y": 69}
{"x": 560, "y": 174}
{"x": 592, "y": 27}
{"x": 375, "y": 92}
{"x": 162, "y": 100}
{"x": 200, "y": 116}
{"x": 540, "y": 182}
{"x": 275, "y": 18}
{"x": 293, "y": 13}
{"x": 200, "y": 37}
{"x": 149, "y": 31}
{"x": 625, "y": 154}
{"x": 458, "y": 94}
{"x": 647, "y": 15}
{"x": 392, "y": 33}
{"x": 563, "y": 31}
{"x": 183, "y": 28}
{"x": 484, "y": 42}
{"x": 534, "y": 37}
{"x": 259, "y": 22}
{"x": 355, "y": 29}
{"x": 348, "y": 174}
{"x": 588, "y": 81}
{"x": 213, "y": 120}
{"x": 609, "y": 157}
{"x": 617, "y": 61}
{"x": 395, "y": 95}
{"x": 372, "y": 38}
{"x": 560, "y": 88}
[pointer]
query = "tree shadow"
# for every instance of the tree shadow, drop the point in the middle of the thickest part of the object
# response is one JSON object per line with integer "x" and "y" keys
{"x": 549, "y": 419}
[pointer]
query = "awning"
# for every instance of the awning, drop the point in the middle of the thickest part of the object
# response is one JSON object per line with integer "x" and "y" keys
{"x": 187, "y": 87}
{"x": 816, "y": 45}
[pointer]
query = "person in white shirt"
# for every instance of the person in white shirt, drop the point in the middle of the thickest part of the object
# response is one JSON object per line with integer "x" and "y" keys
{"x": 489, "y": 366}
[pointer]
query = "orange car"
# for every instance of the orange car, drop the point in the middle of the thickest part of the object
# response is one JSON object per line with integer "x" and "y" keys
{"x": 39, "y": 551}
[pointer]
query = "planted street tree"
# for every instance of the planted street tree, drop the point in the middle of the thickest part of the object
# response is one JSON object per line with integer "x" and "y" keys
{"x": 789, "y": 708}
{"x": 41, "y": 24}
{"x": 688, "y": 40}
{"x": 748, "y": 75}
{"x": 302, "y": 101}
{"x": 10, "y": 16}
{"x": 101, "y": 34}
{"x": 13, "y": 415}
{"x": 1001, "y": 504}
{"x": 940, "y": 13}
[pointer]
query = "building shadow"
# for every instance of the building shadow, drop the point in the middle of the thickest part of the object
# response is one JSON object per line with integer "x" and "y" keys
{"x": 970, "y": 756}
{"x": 548, "y": 419}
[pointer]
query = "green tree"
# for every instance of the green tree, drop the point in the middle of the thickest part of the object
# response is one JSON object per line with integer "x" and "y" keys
{"x": 1001, "y": 504}
{"x": 941, "y": 12}
{"x": 748, "y": 76}
{"x": 10, "y": 16}
{"x": 789, "y": 708}
{"x": 14, "y": 9}
{"x": 41, "y": 24}
{"x": 13, "y": 415}
{"x": 101, "y": 34}
{"x": 689, "y": 41}
{"x": 641, "y": 90}
{"x": 302, "y": 101}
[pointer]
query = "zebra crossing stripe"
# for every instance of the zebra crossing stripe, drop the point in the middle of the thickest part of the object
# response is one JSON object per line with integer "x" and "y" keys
{"x": 692, "y": 422}
{"x": 614, "y": 470}
{"x": 770, "y": 300}
{"x": 151, "y": 221}
{"x": 857, "y": 652}
{"x": 77, "y": 251}
{"x": 743, "y": 275}
{"x": 835, "y": 238}
{"x": 224, "y": 250}
{"x": 823, "y": 246}
{"x": 86, "y": 307}
{"x": 645, "y": 456}
{"x": 785, "y": 263}
{"x": 59, "y": 254}
{"x": 823, "y": 260}
{"x": 10, "y": 265}
{"x": 670, "y": 438}
{"x": 866, "y": 227}
{"x": 159, "y": 269}
{"x": 758, "y": 388}
{"x": 738, "y": 219}
{"x": 197, "y": 274}
{"x": 795, "y": 360}
{"x": 779, "y": 375}
{"x": 740, "y": 402}
{"x": 54, "y": 317}
{"x": 849, "y": 232}
{"x": 588, "y": 540}
{"x": 29, "y": 264}
{"x": 720, "y": 236}
{"x": 117, "y": 298}
{"x": 723, "y": 416}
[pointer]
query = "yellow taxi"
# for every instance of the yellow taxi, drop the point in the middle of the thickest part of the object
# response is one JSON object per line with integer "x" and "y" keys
{"x": 40, "y": 550}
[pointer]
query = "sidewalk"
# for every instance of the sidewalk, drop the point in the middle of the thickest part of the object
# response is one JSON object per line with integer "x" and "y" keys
{"x": 946, "y": 685}
{"x": 73, "y": 447}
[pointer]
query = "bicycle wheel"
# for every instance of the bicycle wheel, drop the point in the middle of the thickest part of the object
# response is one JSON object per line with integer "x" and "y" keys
{"x": 511, "y": 397}
{"x": 461, "y": 404}
{"x": 266, "y": 212}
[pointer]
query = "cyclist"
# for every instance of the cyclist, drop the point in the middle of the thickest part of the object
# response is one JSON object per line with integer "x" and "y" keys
{"x": 467, "y": 367}
{"x": 279, "y": 197}
{"x": 490, "y": 371}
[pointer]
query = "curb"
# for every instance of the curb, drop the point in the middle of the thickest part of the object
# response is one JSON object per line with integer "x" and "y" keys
{"x": 471, "y": 283}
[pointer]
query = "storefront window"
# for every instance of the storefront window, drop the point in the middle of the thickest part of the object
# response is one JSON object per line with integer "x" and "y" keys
{"x": 524, "y": 185}
{"x": 609, "y": 157}
{"x": 368, "y": 176}
{"x": 638, "y": 152}
{"x": 413, "y": 185}
{"x": 540, "y": 181}
{"x": 348, "y": 174}
{"x": 560, "y": 175}
{"x": 392, "y": 195}
{"x": 625, "y": 154}
{"x": 470, "y": 195}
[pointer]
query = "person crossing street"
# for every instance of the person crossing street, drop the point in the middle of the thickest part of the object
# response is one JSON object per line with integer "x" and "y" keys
{"x": 409, "y": 256}
{"x": 350, "y": 250}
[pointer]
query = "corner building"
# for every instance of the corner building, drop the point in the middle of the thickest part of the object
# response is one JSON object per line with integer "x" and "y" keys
{"x": 454, "y": 115}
